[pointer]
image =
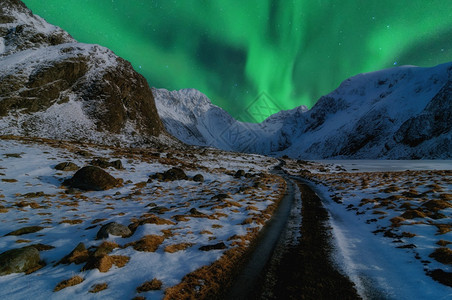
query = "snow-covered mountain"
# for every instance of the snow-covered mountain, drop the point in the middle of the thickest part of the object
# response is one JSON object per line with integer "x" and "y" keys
{"x": 398, "y": 113}
{"x": 52, "y": 86}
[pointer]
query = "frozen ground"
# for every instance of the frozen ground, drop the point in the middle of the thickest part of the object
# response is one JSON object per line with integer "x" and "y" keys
{"x": 183, "y": 214}
{"x": 389, "y": 165}
{"x": 388, "y": 225}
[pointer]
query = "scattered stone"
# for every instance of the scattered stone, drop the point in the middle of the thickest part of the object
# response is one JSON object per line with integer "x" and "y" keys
{"x": 153, "y": 285}
{"x": 159, "y": 210}
{"x": 113, "y": 228}
{"x": 92, "y": 179}
{"x": 67, "y": 283}
{"x": 175, "y": 174}
{"x": 149, "y": 220}
{"x": 66, "y": 166}
{"x": 239, "y": 173}
{"x": 219, "y": 246}
{"x": 198, "y": 178}
{"x": 196, "y": 213}
{"x": 19, "y": 260}
{"x": 12, "y": 155}
{"x": 220, "y": 197}
{"x": 104, "y": 163}
{"x": 25, "y": 230}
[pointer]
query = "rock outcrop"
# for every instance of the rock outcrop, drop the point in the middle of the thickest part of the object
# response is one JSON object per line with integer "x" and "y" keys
{"x": 52, "y": 86}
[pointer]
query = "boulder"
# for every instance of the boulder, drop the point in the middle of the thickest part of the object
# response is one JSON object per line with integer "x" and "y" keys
{"x": 18, "y": 260}
{"x": 239, "y": 173}
{"x": 113, "y": 228}
{"x": 92, "y": 178}
{"x": 66, "y": 166}
{"x": 175, "y": 174}
{"x": 104, "y": 163}
{"x": 198, "y": 178}
{"x": 25, "y": 230}
{"x": 219, "y": 246}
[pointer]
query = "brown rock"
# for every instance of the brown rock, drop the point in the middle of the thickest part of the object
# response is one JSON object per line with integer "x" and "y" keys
{"x": 92, "y": 178}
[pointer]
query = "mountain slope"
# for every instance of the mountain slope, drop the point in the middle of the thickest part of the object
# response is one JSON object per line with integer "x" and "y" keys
{"x": 52, "y": 86}
{"x": 192, "y": 118}
{"x": 398, "y": 113}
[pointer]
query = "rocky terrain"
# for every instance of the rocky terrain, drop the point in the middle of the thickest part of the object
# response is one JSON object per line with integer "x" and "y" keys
{"x": 97, "y": 200}
{"x": 399, "y": 113}
{"x": 52, "y": 86}
{"x": 79, "y": 220}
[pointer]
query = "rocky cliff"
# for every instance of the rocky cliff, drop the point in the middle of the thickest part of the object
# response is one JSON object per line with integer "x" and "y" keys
{"x": 52, "y": 86}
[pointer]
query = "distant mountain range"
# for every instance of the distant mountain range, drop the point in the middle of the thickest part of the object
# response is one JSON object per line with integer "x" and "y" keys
{"x": 54, "y": 87}
{"x": 398, "y": 113}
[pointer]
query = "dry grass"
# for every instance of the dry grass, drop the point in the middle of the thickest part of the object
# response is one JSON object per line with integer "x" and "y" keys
{"x": 71, "y": 222}
{"x": 181, "y": 218}
{"x": 97, "y": 221}
{"x": 22, "y": 241}
{"x": 152, "y": 285}
{"x": 148, "y": 243}
{"x": 78, "y": 256}
{"x": 442, "y": 255}
{"x": 67, "y": 283}
{"x": 120, "y": 260}
{"x": 105, "y": 248}
{"x": 9, "y": 180}
{"x": 209, "y": 282}
{"x": 98, "y": 287}
{"x": 443, "y": 228}
{"x": 443, "y": 243}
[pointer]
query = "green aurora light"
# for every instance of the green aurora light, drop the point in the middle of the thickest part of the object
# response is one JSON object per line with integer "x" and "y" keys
{"x": 233, "y": 51}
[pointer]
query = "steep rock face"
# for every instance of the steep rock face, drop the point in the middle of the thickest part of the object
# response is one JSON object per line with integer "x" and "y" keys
{"x": 398, "y": 113}
{"x": 52, "y": 86}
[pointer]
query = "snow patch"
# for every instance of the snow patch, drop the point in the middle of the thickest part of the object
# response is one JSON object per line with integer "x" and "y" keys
{"x": 2, "y": 45}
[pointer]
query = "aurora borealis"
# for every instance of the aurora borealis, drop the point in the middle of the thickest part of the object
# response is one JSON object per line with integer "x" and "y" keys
{"x": 233, "y": 51}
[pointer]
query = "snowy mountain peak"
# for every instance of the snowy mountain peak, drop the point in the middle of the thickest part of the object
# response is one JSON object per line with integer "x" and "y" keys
{"x": 21, "y": 30}
{"x": 398, "y": 113}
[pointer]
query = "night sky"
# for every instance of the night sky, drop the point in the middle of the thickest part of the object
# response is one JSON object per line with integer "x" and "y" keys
{"x": 255, "y": 57}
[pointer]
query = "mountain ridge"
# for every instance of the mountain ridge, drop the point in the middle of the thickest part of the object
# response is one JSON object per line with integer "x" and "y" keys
{"x": 397, "y": 113}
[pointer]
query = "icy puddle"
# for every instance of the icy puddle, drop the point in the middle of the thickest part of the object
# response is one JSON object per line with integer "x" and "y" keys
{"x": 181, "y": 231}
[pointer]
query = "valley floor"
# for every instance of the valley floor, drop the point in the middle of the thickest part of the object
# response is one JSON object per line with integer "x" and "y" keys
{"x": 184, "y": 232}
{"x": 375, "y": 235}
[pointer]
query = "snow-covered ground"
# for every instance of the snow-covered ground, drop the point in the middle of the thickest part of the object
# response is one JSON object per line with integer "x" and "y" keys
{"x": 387, "y": 225}
{"x": 72, "y": 217}
{"x": 372, "y": 165}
